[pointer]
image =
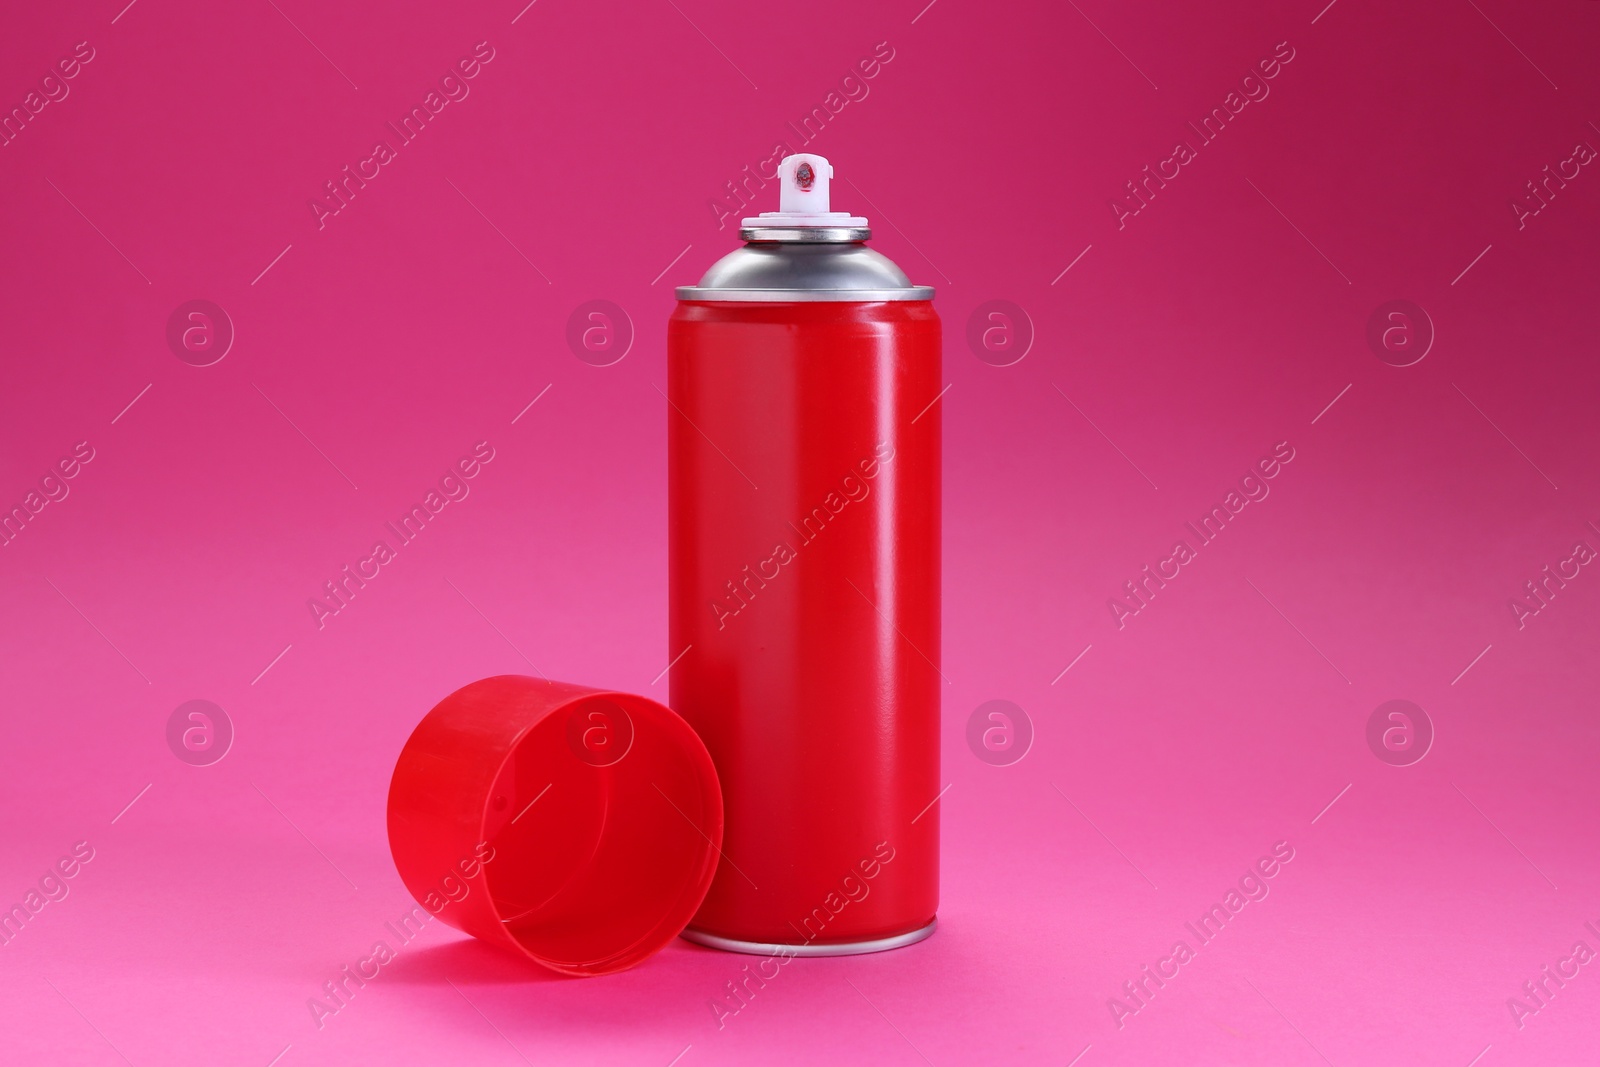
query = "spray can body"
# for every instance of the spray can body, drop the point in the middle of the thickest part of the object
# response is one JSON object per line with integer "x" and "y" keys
{"x": 804, "y": 507}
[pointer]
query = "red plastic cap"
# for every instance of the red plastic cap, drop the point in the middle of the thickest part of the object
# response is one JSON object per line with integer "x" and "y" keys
{"x": 577, "y": 826}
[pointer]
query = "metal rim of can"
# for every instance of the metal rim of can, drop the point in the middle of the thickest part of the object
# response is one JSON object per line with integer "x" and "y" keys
{"x": 806, "y": 234}
{"x": 803, "y": 296}
{"x": 775, "y": 948}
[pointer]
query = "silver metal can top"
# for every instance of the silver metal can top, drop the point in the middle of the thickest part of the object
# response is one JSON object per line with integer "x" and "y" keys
{"x": 786, "y": 271}
{"x": 805, "y": 252}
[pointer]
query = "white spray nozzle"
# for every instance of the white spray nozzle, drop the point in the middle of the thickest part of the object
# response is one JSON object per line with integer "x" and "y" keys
{"x": 803, "y": 201}
{"x": 805, "y": 185}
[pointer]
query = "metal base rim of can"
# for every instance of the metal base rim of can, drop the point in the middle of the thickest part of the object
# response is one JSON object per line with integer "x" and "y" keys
{"x": 848, "y": 948}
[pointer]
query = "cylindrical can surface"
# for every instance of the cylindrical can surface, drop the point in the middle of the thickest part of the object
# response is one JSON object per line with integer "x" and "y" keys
{"x": 803, "y": 455}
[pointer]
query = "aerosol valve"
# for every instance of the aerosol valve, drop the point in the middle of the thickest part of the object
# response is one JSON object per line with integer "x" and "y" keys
{"x": 803, "y": 199}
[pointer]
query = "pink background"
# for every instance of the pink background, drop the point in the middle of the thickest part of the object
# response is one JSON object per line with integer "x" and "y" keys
{"x": 1220, "y": 320}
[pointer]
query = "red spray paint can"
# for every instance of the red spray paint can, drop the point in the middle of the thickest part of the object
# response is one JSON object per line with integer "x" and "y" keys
{"x": 803, "y": 455}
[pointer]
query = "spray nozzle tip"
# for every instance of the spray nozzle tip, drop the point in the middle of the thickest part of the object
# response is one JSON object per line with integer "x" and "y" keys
{"x": 803, "y": 200}
{"x": 803, "y": 188}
